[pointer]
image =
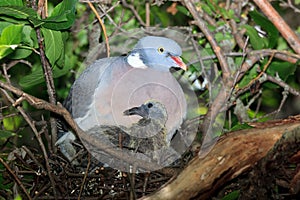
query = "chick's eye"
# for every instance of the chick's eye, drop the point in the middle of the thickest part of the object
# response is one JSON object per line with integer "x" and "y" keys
{"x": 149, "y": 105}
{"x": 161, "y": 49}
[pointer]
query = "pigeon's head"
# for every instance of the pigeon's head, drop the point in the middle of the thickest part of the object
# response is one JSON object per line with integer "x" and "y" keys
{"x": 151, "y": 109}
{"x": 159, "y": 53}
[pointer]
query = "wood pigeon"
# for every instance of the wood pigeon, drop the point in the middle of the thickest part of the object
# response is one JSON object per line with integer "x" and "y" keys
{"x": 147, "y": 136}
{"x": 111, "y": 85}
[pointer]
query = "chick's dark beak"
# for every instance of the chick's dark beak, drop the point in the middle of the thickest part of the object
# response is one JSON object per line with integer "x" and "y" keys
{"x": 142, "y": 111}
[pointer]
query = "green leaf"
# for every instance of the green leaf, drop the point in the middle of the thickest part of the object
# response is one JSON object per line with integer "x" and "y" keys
{"x": 62, "y": 16}
{"x": 26, "y": 36}
{"x": 53, "y": 45}
{"x": 12, "y": 123}
{"x": 20, "y": 53}
{"x": 232, "y": 195}
{"x": 219, "y": 36}
{"x": 24, "y": 51}
{"x": 10, "y": 39}
{"x": 3, "y": 25}
{"x": 11, "y": 20}
{"x": 18, "y": 197}
{"x": 211, "y": 5}
{"x": 11, "y": 3}
{"x": 183, "y": 10}
{"x": 4, "y": 135}
{"x": 6, "y": 50}
{"x": 17, "y": 12}
{"x": 249, "y": 76}
{"x": 11, "y": 35}
{"x": 256, "y": 41}
{"x": 207, "y": 9}
{"x": 240, "y": 127}
{"x": 283, "y": 69}
{"x": 37, "y": 76}
{"x": 271, "y": 30}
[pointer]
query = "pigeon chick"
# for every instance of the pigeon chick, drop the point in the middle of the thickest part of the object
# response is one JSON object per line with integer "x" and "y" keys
{"x": 149, "y": 133}
{"x": 147, "y": 136}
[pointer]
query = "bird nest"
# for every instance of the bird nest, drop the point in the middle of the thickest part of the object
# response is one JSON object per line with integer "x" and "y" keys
{"x": 26, "y": 168}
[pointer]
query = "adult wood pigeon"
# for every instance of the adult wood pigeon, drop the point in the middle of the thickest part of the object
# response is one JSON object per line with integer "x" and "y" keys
{"x": 111, "y": 85}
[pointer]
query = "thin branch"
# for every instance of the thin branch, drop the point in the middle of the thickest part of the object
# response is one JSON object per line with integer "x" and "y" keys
{"x": 147, "y": 5}
{"x": 105, "y": 13}
{"x": 282, "y": 84}
{"x": 221, "y": 99}
{"x": 237, "y": 36}
{"x": 39, "y": 139}
{"x": 255, "y": 56}
{"x": 136, "y": 14}
{"x": 85, "y": 176}
{"x": 48, "y": 74}
{"x": 15, "y": 178}
{"x": 288, "y": 34}
{"x": 102, "y": 26}
{"x": 217, "y": 49}
{"x": 260, "y": 74}
{"x": 289, "y": 4}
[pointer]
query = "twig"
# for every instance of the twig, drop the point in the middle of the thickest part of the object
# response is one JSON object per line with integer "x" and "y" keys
{"x": 282, "y": 84}
{"x": 50, "y": 84}
{"x": 37, "y": 135}
{"x": 147, "y": 13}
{"x": 14, "y": 62}
{"x": 42, "y": 8}
{"x": 217, "y": 49}
{"x": 5, "y": 74}
{"x": 102, "y": 26}
{"x": 136, "y": 14}
{"x": 223, "y": 96}
{"x": 255, "y": 56}
{"x": 282, "y": 55}
{"x": 15, "y": 177}
{"x": 105, "y": 13}
{"x": 30, "y": 154}
{"x": 288, "y": 34}
{"x": 85, "y": 176}
{"x": 237, "y": 36}
{"x": 289, "y": 4}
{"x": 260, "y": 74}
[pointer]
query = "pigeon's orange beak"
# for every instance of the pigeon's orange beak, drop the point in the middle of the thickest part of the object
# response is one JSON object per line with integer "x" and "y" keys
{"x": 179, "y": 62}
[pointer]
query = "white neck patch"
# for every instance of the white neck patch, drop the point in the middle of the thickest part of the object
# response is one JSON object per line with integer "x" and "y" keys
{"x": 135, "y": 61}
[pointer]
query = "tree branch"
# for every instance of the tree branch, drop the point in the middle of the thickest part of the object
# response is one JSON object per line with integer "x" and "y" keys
{"x": 217, "y": 49}
{"x": 288, "y": 34}
{"x": 227, "y": 160}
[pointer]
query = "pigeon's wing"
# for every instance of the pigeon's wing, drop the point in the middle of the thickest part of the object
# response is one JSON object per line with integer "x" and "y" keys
{"x": 81, "y": 94}
{"x": 92, "y": 92}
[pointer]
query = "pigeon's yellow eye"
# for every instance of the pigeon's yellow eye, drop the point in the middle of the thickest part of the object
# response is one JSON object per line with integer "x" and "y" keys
{"x": 161, "y": 49}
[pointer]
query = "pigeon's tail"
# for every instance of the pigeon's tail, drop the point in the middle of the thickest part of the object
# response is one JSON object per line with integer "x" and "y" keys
{"x": 64, "y": 142}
